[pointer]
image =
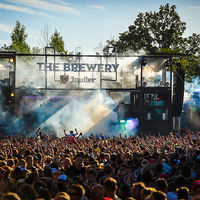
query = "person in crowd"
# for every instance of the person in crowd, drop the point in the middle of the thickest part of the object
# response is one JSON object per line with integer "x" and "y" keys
{"x": 97, "y": 192}
{"x": 124, "y": 191}
{"x": 29, "y": 162}
{"x": 76, "y": 192}
{"x": 179, "y": 181}
{"x": 11, "y": 196}
{"x": 182, "y": 193}
{"x": 26, "y": 191}
{"x": 161, "y": 184}
{"x": 66, "y": 163}
{"x": 196, "y": 189}
{"x": 157, "y": 195}
{"x": 91, "y": 177}
{"x": 137, "y": 190}
{"x": 77, "y": 169}
{"x": 62, "y": 196}
{"x": 110, "y": 188}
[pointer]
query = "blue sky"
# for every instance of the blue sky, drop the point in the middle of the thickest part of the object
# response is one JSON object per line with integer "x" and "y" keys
{"x": 85, "y": 23}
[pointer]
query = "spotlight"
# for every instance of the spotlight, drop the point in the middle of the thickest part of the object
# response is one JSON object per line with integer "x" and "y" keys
{"x": 12, "y": 94}
{"x": 143, "y": 62}
{"x": 132, "y": 124}
{"x": 11, "y": 60}
{"x": 122, "y": 121}
{"x": 167, "y": 63}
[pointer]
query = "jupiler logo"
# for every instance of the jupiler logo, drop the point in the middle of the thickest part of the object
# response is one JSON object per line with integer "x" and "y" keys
{"x": 64, "y": 79}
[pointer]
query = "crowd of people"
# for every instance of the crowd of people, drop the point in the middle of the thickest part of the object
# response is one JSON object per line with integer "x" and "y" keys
{"x": 75, "y": 167}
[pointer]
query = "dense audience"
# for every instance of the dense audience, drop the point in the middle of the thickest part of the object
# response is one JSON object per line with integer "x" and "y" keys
{"x": 75, "y": 167}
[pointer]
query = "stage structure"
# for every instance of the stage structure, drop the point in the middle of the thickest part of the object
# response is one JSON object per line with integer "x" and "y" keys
{"x": 141, "y": 85}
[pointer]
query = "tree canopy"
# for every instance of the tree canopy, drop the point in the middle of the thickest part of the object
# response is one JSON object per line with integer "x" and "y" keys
{"x": 153, "y": 31}
{"x": 18, "y": 39}
{"x": 57, "y": 42}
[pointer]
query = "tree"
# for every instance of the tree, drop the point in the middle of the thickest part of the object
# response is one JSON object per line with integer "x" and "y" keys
{"x": 152, "y": 31}
{"x": 192, "y": 45}
{"x": 35, "y": 50}
{"x": 18, "y": 39}
{"x": 45, "y": 36}
{"x": 57, "y": 42}
{"x": 5, "y": 47}
{"x": 191, "y": 63}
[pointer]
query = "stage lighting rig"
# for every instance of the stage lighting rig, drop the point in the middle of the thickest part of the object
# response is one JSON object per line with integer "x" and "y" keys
{"x": 11, "y": 60}
{"x": 12, "y": 94}
{"x": 144, "y": 84}
{"x": 143, "y": 62}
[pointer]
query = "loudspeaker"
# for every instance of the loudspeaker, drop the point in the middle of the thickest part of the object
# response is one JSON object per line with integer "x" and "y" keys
{"x": 178, "y": 92}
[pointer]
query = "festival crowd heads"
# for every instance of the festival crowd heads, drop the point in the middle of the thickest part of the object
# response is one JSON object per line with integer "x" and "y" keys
{"x": 74, "y": 167}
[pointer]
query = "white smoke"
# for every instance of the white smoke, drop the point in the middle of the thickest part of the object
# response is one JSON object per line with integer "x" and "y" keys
{"x": 83, "y": 112}
{"x": 190, "y": 88}
{"x": 191, "y": 106}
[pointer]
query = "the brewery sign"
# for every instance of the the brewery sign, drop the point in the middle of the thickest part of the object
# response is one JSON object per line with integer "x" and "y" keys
{"x": 77, "y": 67}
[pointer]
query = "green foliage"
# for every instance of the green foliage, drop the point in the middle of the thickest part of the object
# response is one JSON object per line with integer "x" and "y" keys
{"x": 5, "y": 47}
{"x": 190, "y": 62}
{"x": 191, "y": 45}
{"x": 36, "y": 50}
{"x": 18, "y": 39}
{"x": 57, "y": 42}
{"x": 153, "y": 31}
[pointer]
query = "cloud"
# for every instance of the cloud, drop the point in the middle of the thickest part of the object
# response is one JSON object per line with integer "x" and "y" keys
{"x": 97, "y": 7}
{"x": 5, "y": 28}
{"x": 2, "y": 42}
{"x": 59, "y": 6}
{"x": 61, "y": 2}
{"x": 24, "y": 10}
{"x": 195, "y": 7}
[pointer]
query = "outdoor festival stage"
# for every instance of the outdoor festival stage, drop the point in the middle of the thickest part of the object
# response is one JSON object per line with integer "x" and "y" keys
{"x": 133, "y": 87}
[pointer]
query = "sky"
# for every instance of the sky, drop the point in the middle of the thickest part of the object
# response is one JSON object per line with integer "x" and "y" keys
{"x": 85, "y": 23}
